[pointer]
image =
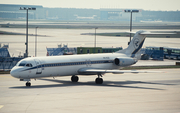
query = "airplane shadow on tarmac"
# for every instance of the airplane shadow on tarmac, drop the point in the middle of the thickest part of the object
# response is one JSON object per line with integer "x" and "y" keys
{"x": 120, "y": 84}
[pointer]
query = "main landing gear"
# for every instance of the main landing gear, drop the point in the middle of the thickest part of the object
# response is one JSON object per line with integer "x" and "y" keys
{"x": 74, "y": 78}
{"x": 28, "y": 84}
{"x": 99, "y": 80}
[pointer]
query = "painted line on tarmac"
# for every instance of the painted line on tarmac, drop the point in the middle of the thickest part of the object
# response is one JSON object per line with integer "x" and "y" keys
{"x": 5, "y": 86}
{"x": 1, "y": 106}
{"x": 6, "y": 76}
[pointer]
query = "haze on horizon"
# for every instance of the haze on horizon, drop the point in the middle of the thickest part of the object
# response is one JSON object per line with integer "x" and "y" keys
{"x": 153, "y": 5}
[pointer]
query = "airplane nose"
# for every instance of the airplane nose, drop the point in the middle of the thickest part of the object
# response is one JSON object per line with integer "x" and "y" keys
{"x": 14, "y": 73}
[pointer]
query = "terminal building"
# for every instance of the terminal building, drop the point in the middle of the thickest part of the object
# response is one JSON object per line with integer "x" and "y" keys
{"x": 14, "y": 12}
{"x": 11, "y": 11}
{"x": 117, "y": 14}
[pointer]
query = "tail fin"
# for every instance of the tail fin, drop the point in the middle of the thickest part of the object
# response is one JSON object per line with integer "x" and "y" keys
{"x": 135, "y": 44}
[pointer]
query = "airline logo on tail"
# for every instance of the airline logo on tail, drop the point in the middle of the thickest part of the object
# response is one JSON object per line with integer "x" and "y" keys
{"x": 136, "y": 43}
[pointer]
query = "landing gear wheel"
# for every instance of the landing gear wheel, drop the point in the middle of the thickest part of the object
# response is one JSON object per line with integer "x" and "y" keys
{"x": 74, "y": 78}
{"x": 99, "y": 81}
{"x": 28, "y": 84}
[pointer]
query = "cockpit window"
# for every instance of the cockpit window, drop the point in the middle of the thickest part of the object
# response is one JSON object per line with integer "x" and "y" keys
{"x": 22, "y": 64}
{"x": 28, "y": 65}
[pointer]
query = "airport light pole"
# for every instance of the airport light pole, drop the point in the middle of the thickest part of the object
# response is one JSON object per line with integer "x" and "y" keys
{"x": 24, "y": 8}
{"x": 36, "y": 42}
{"x": 95, "y": 37}
{"x": 131, "y": 11}
{"x": 95, "y": 40}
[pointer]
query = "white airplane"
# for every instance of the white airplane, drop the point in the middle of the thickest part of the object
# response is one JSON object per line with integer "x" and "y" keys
{"x": 89, "y": 64}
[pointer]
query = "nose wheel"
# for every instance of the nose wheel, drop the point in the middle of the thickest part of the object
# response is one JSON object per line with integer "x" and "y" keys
{"x": 28, "y": 84}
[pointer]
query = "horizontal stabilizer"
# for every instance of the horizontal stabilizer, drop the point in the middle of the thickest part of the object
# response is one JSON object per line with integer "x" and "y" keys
{"x": 152, "y": 33}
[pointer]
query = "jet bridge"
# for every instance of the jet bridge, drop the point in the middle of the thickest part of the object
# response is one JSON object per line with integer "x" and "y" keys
{"x": 6, "y": 61}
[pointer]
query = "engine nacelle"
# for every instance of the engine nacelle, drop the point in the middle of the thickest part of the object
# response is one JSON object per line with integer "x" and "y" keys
{"x": 124, "y": 61}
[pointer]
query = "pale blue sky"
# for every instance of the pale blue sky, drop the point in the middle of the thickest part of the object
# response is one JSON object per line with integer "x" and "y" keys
{"x": 169, "y": 5}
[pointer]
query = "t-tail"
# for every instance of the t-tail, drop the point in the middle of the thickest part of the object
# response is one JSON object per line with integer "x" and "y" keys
{"x": 135, "y": 45}
{"x": 133, "y": 50}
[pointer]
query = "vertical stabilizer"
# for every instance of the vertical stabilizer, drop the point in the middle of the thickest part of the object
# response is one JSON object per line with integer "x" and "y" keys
{"x": 135, "y": 44}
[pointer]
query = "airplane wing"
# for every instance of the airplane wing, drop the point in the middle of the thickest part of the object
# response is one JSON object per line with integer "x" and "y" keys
{"x": 90, "y": 71}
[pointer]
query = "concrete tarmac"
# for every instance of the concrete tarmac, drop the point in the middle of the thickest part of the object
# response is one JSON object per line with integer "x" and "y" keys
{"x": 120, "y": 93}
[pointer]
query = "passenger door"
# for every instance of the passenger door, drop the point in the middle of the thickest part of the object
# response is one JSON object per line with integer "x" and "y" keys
{"x": 39, "y": 66}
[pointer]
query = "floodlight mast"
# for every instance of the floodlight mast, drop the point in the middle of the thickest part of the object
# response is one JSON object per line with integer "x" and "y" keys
{"x": 24, "y": 8}
{"x": 95, "y": 37}
{"x": 95, "y": 40}
{"x": 131, "y": 11}
{"x": 36, "y": 43}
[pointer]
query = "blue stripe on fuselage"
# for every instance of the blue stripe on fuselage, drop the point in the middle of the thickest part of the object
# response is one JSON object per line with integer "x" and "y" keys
{"x": 70, "y": 64}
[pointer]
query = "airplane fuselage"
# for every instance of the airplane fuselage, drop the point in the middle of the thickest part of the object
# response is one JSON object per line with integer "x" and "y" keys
{"x": 64, "y": 65}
